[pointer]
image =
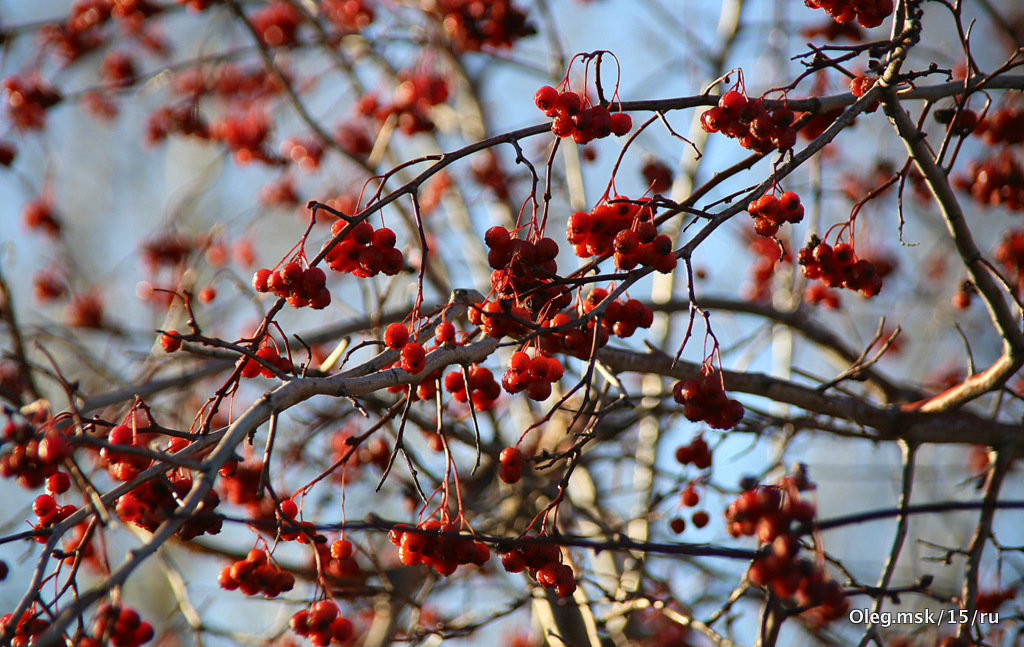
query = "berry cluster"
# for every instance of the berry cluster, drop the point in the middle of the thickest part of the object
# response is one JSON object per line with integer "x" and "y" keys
{"x": 40, "y": 215}
{"x": 697, "y": 453}
{"x": 625, "y": 227}
{"x": 820, "y": 294}
{"x": 577, "y": 342}
{"x": 27, "y": 626}
{"x": 277, "y": 25}
{"x": 254, "y": 575}
{"x": 155, "y": 501}
{"x": 1010, "y": 254}
{"x": 338, "y": 561}
{"x": 690, "y": 498}
{"x": 443, "y": 553}
{"x": 472, "y": 24}
{"x": 770, "y": 213}
{"x": 31, "y": 460}
{"x": 965, "y": 122}
{"x": 867, "y": 13}
{"x": 1002, "y": 126}
{"x": 544, "y": 564}
{"x": 859, "y": 86}
{"x": 996, "y": 181}
{"x": 574, "y": 116}
{"x": 323, "y": 624}
{"x": 483, "y": 388}
{"x": 839, "y": 267}
{"x": 28, "y": 99}
{"x": 510, "y": 465}
{"x": 374, "y": 451}
{"x": 751, "y": 123}
{"x": 534, "y": 375}
{"x": 251, "y": 368}
{"x": 122, "y": 626}
{"x": 348, "y": 15}
{"x": 49, "y": 513}
{"x": 416, "y": 94}
{"x": 704, "y": 398}
{"x": 621, "y": 317}
{"x": 412, "y": 355}
{"x": 247, "y": 134}
{"x": 770, "y": 513}
{"x": 500, "y": 317}
{"x": 301, "y": 287}
{"x": 124, "y": 466}
{"x": 365, "y": 252}
{"x": 525, "y": 269}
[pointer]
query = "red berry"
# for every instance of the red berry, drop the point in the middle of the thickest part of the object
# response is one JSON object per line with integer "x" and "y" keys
{"x": 621, "y": 124}
{"x": 546, "y": 98}
{"x": 396, "y": 335}
{"x": 413, "y": 358}
{"x": 170, "y": 341}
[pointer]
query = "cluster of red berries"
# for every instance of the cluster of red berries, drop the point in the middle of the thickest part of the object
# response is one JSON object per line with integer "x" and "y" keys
{"x": 839, "y": 267}
{"x": 239, "y": 83}
{"x": 349, "y": 15}
{"x": 374, "y": 451}
{"x": 155, "y": 501}
{"x": 764, "y": 512}
{"x": 697, "y": 453}
{"x": 124, "y": 466}
{"x": 483, "y": 388}
{"x": 534, "y": 375}
{"x": 277, "y": 25}
{"x": 1004, "y": 125}
{"x": 254, "y": 575}
{"x": 338, "y": 560}
{"x": 690, "y": 498}
{"x": 31, "y": 460}
{"x": 443, "y": 553}
{"x": 578, "y": 342}
{"x": 49, "y": 513}
{"x": 704, "y": 398}
{"x": 510, "y": 465}
{"x": 621, "y": 317}
{"x": 769, "y": 513}
{"x": 625, "y": 227}
{"x": 365, "y": 252}
{"x": 241, "y": 486}
{"x": 472, "y": 24}
{"x": 867, "y": 13}
{"x": 301, "y": 287}
{"x": 996, "y": 181}
{"x": 416, "y": 94}
{"x": 323, "y": 624}
{"x": 575, "y": 117}
{"x": 751, "y": 123}
{"x": 657, "y": 175}
{"x": 176, "y": 119}
{"x": 820, "y": 294}
{"x": 122, "y": 626}
{"x": 544, "y": 564}
{"x": 247, "y": 134}
{"x": 251, "y": 368}
{"x": 1010, "y": 254}
{"x": 770, "y": 213}
{"x": 501, "y": 317}
{"x": 28, "y": 99}
{"x": 40, "y": 215}
{"x": 525, "y": 269}
{"x": 305, "y": 151}
{"x": 28, "y": 625}
{"x": 413, "y": 356}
